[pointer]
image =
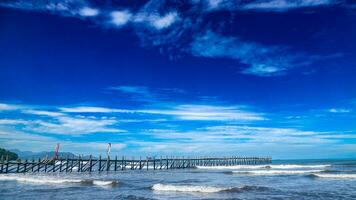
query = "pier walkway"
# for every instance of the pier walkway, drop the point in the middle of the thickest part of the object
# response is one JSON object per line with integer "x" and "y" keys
{"x": 100, "y": 164}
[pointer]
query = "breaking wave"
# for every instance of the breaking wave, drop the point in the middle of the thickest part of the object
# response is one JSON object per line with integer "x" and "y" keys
{"x": 276, "y": 172}
{"x": 52, "y": 180}
{"x": 263, "y": 167}
{"x": 105, "y": 183}
{"x": 202, "y": 189}
{"x": 336, "y": 176}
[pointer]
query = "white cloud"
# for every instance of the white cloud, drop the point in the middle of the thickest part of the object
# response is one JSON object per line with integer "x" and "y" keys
{"x": 237, "y": 135}
{"x": 261, "y": 60}
{"x": 74, "y": 126}
{"x": 209, "y": 112}
{"x": 120, "y": 18}
{"x": 88, "y": 12}
{"x": 6, "y": 107}
{"x": 264, "y": 5}
{"x": 164, "y": 21}
{"x": 140, "y": 90}
{"x": 284, "y": 5}
{"x": 12, "y": 139}
{"x": 13, "y": 122}
{"x": 183, "y": 112}
{"x": 339, "y": 110}
{"x": 92, "y": 109}
{"x": 43, "y": 112}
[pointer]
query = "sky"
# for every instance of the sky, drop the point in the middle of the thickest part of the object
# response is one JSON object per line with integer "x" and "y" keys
{"x": 184, "y": 78}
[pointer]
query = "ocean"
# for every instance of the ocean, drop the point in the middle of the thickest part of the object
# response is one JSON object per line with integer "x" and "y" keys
{"x": 298, "y": 179}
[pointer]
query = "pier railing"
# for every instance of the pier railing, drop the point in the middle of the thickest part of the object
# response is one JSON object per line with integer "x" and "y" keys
{"x": 119, "y": 164}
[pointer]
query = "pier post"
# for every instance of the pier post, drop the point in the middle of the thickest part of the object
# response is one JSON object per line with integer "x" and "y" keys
{"x": 132, "y": 163}
{"x": 60, "y": 165}
{"x": 18, "y": 166}
{"x": 46, "y": 162}
{"x": 99, "y": 160}
{"x": 79, "y": 163}
{"x": 122, "y": 163}
{"x": 2, "y": 164}
{"x": 140, "y": 163}
{"x": 147, "y": 163}
{"x": 90, "y": 163}
{"x": 167, "y": 162}
{"x": 115, "y": 167}
{"x": 154, "y": 163}
{"x": 39, "y": 165}
{"x": 7, "y": 164}
{"x": 67, "y": 164}
{"x": 108, "y": 164}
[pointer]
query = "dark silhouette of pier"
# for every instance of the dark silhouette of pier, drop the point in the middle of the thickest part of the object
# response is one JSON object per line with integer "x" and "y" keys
{"x": 100, "y": 164}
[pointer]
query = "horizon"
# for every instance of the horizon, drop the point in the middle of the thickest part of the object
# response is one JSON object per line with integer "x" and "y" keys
{"x": 256, "y": 78}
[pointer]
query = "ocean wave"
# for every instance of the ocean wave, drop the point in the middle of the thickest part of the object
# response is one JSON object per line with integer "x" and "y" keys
{"x": 336, "y": 176}
{"x": 39, "y": 180}
{"x": 105, "y": 183}
{"x": 202, "y": 189}
{"x": 262, "y": 167}
{"x": 276, "y": 172}
{"x": 53, "y": 180}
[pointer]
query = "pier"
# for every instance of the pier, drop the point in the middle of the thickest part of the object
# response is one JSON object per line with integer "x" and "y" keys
{"x": 120, "y": 164}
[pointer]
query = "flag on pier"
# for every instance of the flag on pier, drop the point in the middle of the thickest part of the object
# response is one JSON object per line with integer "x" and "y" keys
{"x": 56, "y": 150}
{"x": 108, "y": 149}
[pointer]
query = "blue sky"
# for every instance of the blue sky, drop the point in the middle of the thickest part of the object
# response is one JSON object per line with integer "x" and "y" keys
{"x": 214, "y": 77}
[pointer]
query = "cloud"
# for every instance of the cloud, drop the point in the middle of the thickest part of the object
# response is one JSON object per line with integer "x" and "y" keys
{"x": 88, "y": 12}
{"x": 120, "y": 18}
{"x": 183, "y": 112}
{"x": 285, "y": 5}
{"x": 92, "y": 109}
{"x": 246, "y": 140}
{"x": 7, "y": 107}
{"x": 339, "y": 110}
{"x": 266, "y": 5}
{"x": 59, "y": 122}
{"x": 216, "y": 128}
{"x": 43, "y": 113}
{"x": 208, "y": 113}
{"x": 146, "y": 94}
{"x": 164, "y": 21}
{"x": 13, "y": 139}
{"x": 260, "y": 60}
{"x": 176, "y": 31}
{"x": 12, "y": 122}
{"x": 140, "y": 90}
{"x": 74, "y": 126}
{"x": 232, "y": 134}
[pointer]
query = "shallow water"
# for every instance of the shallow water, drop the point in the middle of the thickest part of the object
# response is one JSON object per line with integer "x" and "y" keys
{"x": 280, "y": 180}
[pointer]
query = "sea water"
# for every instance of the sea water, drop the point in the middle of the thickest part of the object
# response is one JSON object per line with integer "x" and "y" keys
{"x": 303, "y": 179}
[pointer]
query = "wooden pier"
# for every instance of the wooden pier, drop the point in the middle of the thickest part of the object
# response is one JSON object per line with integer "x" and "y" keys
{"x": 119, "y": 164}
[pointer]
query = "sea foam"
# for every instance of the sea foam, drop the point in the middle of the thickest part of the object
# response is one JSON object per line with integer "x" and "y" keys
{"x": 263, "y": 167}
{"x": 336, "y": 176}
{"x": 276, "y": 172}
{"x": 187, "y": 188}
{"x": 55, "y": 180}
{"x": 203, "y": 189}
{"x": 39, "y": 180}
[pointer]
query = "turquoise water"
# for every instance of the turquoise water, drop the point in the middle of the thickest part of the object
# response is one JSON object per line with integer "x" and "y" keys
{"x": 299, "y": 179}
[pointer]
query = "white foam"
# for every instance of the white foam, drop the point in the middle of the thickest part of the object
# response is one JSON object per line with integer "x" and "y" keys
{"x": 263, "y": 167}
{"x": 104, "y": 183}
{"x": 232, "y": 167}
{"x": 276, "y": 172}
{"x": 39, "y": 180}
{"x": 187, "y": 188}
{"x": 297, "y": 166}
{"x": 336, "y": 176}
